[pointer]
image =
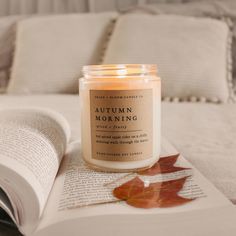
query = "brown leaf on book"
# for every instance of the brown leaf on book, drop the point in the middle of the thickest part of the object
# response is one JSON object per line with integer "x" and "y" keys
{"x": 163, "y": 166}
{"x": 159, "y": 194}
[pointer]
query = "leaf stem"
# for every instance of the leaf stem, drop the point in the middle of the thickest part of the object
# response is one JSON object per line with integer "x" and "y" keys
{"x": 94, "y": 204}
{"x": 118, "y": 179}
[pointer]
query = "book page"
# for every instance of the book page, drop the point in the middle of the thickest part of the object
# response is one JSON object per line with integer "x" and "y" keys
{"x": 80, "y": 191}
{"x": 32, "y": 145}
{"x": 92, "y": 187}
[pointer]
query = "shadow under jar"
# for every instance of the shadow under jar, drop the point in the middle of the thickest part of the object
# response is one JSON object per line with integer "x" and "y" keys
{"x": 120, "y": 116}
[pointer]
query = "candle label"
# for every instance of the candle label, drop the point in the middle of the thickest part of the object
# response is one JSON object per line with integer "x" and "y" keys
{"x": 121, "y": 124}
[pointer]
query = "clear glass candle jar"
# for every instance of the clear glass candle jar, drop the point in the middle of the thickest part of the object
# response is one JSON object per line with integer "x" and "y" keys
{"x": 120, "y": 116}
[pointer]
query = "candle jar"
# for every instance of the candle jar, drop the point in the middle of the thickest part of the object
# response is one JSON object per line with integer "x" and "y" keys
{"x": 120, "y": 116}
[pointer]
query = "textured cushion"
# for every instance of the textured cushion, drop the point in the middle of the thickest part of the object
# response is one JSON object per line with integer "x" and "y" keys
{"x": 13, "y": 7}
{"x": 204, "y": 133}
{"x": 205, "y": 8}
{"x": 50, "y": 51}
{"x": 191, "y": 53}
{"x": 7, "y": 40}
{"x": 209, "y": 8}
{"x": 3, "y": 80}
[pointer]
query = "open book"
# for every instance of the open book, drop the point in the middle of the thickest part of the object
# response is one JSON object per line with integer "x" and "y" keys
{"x": 46, "y": 188}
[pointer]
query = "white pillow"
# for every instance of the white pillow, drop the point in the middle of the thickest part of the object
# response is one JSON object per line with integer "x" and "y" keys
{"x": 51, "y": 50}
{"x": 192, "y": 54}
{"x": 7, "y": 40}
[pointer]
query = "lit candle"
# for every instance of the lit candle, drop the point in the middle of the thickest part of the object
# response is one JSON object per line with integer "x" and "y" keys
{"x": 120, "y": 116}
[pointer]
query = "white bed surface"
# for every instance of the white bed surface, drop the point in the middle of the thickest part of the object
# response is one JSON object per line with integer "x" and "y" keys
{"x": 204, "y": 133}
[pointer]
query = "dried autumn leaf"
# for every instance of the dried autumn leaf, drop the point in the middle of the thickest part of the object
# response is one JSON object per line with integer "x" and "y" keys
{"x": 159, "y": 194}
{"x": 129, "y": 189}
{"x": 163, "y": 166}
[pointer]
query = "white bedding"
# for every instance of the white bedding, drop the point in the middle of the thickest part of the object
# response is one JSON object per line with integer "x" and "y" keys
{"x": 204, "y": 133}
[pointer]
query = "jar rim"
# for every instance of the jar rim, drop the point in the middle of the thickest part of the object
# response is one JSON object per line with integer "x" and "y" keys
{"x": 107, "y": 70}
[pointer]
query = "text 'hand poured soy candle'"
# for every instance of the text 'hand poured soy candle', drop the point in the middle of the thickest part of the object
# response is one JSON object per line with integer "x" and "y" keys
{"x": 120, "y": 115}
